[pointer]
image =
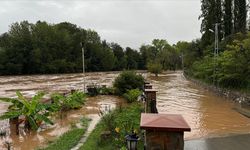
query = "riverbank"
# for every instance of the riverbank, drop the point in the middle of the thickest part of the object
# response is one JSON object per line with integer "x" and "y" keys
{"x": 237, "y": 96}
{"x": 234, "y": 142}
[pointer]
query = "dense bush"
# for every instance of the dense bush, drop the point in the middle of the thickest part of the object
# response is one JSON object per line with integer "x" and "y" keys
{"x": 128, "y": 80}
{"x": 132, "y": 95}
{"x": 232, "y": 66}
{"x": 72, "y": 101}
{"x": 121, "y": 122}
{"x": 95, "y": 90}
{"x": 155, "y": 68}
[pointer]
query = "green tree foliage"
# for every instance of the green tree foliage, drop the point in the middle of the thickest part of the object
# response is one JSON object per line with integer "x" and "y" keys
{"x": 72, "y": 101}
{"x": 232, "y": 65}
{"x": 128, "y": 80}
{"x": 55, "y": 48}
{"x": 240, "y": 16}
{"x": 133, "y": 58}
{"x": 160, "y": 51}
{"x": 228, "y": 18}
{"x": 120, "y": 57}
{"x": 155, "y": 68}
{"x": 132, "y": 95}
{"x": 230, "y": 14}
{"x": 120, "y": 122}
{"x": 211, "y": 14}
{"x": 230, "y": 68}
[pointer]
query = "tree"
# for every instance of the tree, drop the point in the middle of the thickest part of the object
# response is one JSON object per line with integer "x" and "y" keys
{"x": 132, "y": 58}
{"x": 240, "y": 16}
{"x": 155, "y": 68}
{"x": 147, "y": 54}
{"x": 20, "y": 47}
{"x": 211, "y": 14}
{"x": 120, "y": 59}
{"x": 53, "y": 48}
{"x": 228, "y": 18}
{"x": 108, "y": 58}
{"x": 128, "y": 80}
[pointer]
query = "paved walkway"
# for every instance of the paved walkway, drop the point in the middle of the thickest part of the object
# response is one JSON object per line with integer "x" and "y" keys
{"x": 237, "y": 142}
{"x": 92, "y": 124}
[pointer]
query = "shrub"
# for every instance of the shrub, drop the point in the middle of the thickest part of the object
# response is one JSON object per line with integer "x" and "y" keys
{"x": 106, "y": 91}
{"x": 155, "y": 68}
{"x": 72, "y": 101}
{"x": 93, "y": 90}
{"x": 124, "y": 120}
{"x": 128, "y": 80}
{"x": 132, "y": 95}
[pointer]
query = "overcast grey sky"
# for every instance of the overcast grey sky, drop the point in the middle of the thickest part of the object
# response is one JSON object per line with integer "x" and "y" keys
{"x": 127, "y": 22}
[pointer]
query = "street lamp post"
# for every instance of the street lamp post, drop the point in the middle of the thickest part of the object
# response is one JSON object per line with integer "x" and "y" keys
{"x": 216, "y": 48}
{"x": 83, "y": 66}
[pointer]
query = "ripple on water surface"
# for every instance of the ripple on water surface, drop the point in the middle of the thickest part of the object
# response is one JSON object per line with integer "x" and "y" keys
{"x": 206, "y": 113}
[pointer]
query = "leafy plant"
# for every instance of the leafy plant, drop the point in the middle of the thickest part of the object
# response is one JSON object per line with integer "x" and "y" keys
{"x": 128, "y": 80}
{"x": 33, "y": 110}
{"x": 106, "y": 91}
{"x": 155, "y": 68}
{"x": 67, "y": 140}
{"x": 132, "y": 95}
{"x": 124, "y": 120}
{"x": 72, "y": 101}
{"x": 108, "y": 121}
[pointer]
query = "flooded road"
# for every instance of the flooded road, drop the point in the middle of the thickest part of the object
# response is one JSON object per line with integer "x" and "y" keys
{"x": 207, "y": 114}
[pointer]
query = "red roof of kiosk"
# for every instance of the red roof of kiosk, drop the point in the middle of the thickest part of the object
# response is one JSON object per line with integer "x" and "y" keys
{"x": 166, "y": 122}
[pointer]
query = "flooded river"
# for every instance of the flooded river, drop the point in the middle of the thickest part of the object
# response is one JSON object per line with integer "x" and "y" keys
{"x": 207, "y": 114}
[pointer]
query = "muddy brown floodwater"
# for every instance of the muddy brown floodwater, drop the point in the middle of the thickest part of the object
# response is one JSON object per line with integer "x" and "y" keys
{"x": 207, "y": 114}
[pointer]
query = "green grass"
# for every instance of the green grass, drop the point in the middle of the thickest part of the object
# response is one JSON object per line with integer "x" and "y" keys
{"x": 124, "y": 118}
{"x": 68, "y": 139}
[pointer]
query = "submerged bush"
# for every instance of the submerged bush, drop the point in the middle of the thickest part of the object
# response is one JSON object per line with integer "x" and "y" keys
{"x": 154, "y": 68}
{"x": 72, "y": 101}
{"x": 106, "y": 91}
{"x": 128, "y": 80}
{"x": 132, "y": 95}
{"x": 95, "y": 90}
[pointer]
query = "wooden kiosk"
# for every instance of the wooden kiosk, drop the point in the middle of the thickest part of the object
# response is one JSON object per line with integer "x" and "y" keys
{"x": 163, "y": 131}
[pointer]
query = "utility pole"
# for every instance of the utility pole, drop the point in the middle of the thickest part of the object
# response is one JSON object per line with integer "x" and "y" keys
{"x": 182, "y": 61}
{"x": 83, "y": 66}
{"x": 216, "y": 50}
